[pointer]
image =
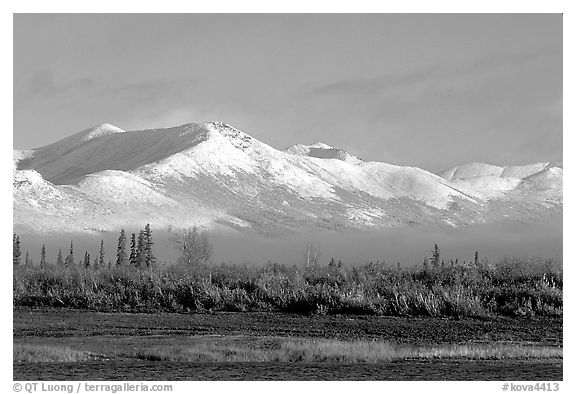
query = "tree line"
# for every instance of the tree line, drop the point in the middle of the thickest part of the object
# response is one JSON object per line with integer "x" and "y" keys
{"x": 141, "y": 255}
{"x": 193, "y": 244}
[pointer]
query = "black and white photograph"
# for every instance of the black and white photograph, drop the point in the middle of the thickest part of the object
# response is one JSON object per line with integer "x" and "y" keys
{"x": 287, "y": 197}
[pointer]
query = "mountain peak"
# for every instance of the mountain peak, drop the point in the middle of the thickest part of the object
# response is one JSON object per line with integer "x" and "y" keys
{"x": 213, "y": 173}
{"x": 100, "y": 130}
{"x": 237, "y": 138}
{"x": 321, "y": 145}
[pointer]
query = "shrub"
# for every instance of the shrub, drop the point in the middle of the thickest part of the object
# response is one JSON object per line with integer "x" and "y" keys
{"x": 515, "y": 287}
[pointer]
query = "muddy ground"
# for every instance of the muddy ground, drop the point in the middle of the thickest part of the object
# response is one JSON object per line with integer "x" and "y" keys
{"x": 116, "y": 337}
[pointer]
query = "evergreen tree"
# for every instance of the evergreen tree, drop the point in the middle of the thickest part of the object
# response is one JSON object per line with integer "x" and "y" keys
{"x": 149, "y": 258}
{"x": 100, "y": 262}
{"x": 70, "y": 258}
{"x": 27, "y": 262}
{"x": 43, "y": 257}
{"x": 133, "y": 249}
{"x": 140, "y": 252}
{"x": 121, "y": 252}
{"x": 16, "y": 251}
{"x": 435, "y": 259}
{"x": 86, "y": 260}
{"x": 59, "y": 260}
{"x": 476, "y": 259}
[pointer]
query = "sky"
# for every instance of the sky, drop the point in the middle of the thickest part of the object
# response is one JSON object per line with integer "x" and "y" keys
{"x": 426, "y": 90}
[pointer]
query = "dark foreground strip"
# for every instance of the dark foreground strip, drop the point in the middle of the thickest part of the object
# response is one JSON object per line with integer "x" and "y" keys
{"x": 515, "y": 370}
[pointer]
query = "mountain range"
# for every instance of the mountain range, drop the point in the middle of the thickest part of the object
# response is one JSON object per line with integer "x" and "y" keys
{"x": 216, "y": 176}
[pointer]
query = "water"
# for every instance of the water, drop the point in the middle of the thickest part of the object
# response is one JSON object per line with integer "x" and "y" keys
{"x": 401, "y": 370}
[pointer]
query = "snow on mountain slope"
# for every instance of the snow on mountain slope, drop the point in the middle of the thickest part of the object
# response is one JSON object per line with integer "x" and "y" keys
{"x": 321, "y": 150}
{"x": 415, "y": 183}
{"x": 227, "y": 151}
{"x": 19, "y": 155}
{"x": 520, "y": 172}
{"x": 68, "y": 160}
{"x": 100, "y": 130}
{"x": 471, "y": 170}
{"x": 489, "y": 186}
{"x": 549, "y": 179}
{"x": 490, "y": 181}
{"x": 41, "y": 206}
{"x": 124, "y": 188}
{"x": 475, "y": 170}
{"x": 215, "y": 175}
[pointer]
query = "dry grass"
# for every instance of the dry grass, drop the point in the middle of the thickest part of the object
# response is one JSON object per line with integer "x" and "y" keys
{"x": 41, "y": 353}
{"x": 346, "y": 352}
{"x": 300, "y": 350}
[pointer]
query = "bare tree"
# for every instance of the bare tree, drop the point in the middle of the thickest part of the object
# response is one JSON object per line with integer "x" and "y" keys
{"x": 311, "y": 256}
{"x": 193, "y": 243}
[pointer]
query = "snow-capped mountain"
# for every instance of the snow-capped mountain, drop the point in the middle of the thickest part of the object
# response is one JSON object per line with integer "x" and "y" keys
{"x": 214, "y": 175}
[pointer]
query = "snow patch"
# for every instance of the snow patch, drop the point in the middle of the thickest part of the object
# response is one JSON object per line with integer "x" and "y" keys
{"x": 100, "y": 130}
{"x": 321, "y": 150}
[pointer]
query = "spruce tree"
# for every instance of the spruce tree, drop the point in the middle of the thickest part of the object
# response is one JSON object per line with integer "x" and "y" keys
{"x": 100, "y": 262}
{"x": 435, "y": 259}
{"x": 86, "y": 260}
{"x": 27, "y": 262}
{"x": 59, "y": 259}
{"x": 140, "y": 252}
{"x": 121, "y": 252}
{"x": 149, "y": 258}
{"x": 16, "y": 252}
{"x": 70, "y": 258}
{"x": 133, "y": 249}
{"x": 43, "y": 257}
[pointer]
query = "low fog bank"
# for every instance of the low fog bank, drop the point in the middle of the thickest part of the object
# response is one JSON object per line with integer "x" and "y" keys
{"x": 408, "y": 245}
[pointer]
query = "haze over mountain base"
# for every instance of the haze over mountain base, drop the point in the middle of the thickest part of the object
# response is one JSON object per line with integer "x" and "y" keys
{"x": 405, "y": 245}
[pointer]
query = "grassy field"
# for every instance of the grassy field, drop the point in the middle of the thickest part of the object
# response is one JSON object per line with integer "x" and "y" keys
{"x": 28, "y": 353}
{"x": 71, "y": 344}
{"x": 516, "y": 287}
{"x": 332, "y": 351}
{"x": 291, "y": 350}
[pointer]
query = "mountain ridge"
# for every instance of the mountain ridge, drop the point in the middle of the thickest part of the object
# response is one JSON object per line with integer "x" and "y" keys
{"x": 213, "y": 174}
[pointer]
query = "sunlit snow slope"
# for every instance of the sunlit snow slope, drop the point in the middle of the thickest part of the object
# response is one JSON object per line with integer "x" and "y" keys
{"x": 214, "y": 175}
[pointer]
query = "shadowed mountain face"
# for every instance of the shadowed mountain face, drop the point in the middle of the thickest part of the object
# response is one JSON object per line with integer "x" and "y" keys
{"x": 214, "y": 175}
{"x": 73, "y": 158}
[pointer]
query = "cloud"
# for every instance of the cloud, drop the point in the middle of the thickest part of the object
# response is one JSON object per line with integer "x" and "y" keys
{"x": 43, "y": 85}
{"x": 503, "y": 108}
{"x": 178, "y": 115}
{"x": 439, "y": 74}
{"x": 161, "y": 89}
